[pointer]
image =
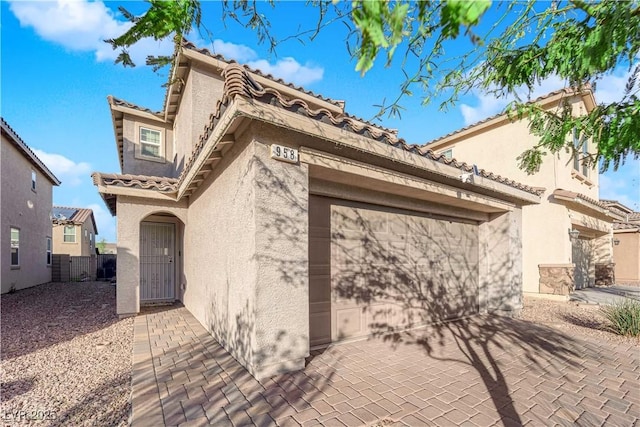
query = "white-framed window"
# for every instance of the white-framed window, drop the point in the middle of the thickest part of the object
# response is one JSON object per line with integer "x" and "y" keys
{"x": 91, "y": 240}
{"x": 48, "y": 250}
{"x": 150, "y": 143}
{"x": 448, "y": 153}
{"x": 69, "y": 234}
{"x": 580, "y": 145}
{"x": 15, "y": 247}
{"x": 33, "y": 180}
{"x": 86, "y": 235}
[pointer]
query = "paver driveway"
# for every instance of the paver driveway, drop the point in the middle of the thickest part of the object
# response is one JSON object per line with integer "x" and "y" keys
{"x": 484, "y": 371}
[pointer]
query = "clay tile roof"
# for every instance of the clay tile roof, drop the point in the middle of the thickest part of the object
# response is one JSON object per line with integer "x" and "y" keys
{"x": 22, "y": 146}
{"x": 634, "y": 216}
{"x": 238, "y": 82}
{"x": 579, "y": 196}
{"x": 625, "y": 226}
{"x": 122, "y": 103}
{"x": 189, "y": 45}
{"x": 73, "y": 215}
{"x": 568, "y": 91}
{"x": 158, "y": 183}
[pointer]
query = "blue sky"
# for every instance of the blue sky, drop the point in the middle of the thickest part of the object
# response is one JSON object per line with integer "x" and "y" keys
{"x": 56, "y": 73}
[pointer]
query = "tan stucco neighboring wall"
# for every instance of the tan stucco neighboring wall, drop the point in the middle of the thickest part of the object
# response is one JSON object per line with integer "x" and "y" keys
{"x": 497, "y": 148}
{"x": 82, "y": 246}
{"x": 545, "y": 240}
{"x": 626, "y": 255}
{"x": 136, "y": 210}
{"x": 33, "y": 222}
{"x": 133, "y": 162}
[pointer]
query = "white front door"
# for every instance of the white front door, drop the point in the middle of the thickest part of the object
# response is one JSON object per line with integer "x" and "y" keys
{"x": 157, "y": 261}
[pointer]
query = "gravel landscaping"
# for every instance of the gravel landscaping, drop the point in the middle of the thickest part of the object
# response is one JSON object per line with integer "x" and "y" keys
{"x": 572, "y": 318}
{"x": 66, "y": 357}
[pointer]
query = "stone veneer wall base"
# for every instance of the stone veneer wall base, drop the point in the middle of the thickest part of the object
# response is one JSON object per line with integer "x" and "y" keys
{"x": 556, "y": 279}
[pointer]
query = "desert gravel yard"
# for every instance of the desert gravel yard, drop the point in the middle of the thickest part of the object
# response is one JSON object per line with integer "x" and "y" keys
{"x": 66, "y": 357}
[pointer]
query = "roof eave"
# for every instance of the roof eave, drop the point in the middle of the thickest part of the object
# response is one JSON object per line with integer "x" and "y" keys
{"x": 26, "y": 151}
{"x": 586, "y": 94}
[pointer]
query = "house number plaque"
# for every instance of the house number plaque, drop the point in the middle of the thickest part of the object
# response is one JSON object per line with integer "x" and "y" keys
{"x": 285, "y": 154}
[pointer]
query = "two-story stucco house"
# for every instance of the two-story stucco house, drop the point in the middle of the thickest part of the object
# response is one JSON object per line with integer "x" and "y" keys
{"x": 74, "y": 231}
{"x": 568, "y": 236}
{"x": 626, "y": 244}
{"x": 282, "y": 222}
{"x": 26, "y": 199}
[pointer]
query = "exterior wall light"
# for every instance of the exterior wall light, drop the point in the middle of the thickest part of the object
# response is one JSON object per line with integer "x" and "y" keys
{"x": 573, "y": 234}
{"x": 616, "y": 242}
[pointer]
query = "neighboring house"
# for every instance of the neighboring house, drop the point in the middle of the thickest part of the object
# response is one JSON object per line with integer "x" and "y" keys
{"x": 74, "y": 231}
{"x": 26, "y": 199}
{"x": 109, "y": 248}
{"x": 566, "y": 238}
{"x": 626, "y": 244}
{"x": 282, "y": 222}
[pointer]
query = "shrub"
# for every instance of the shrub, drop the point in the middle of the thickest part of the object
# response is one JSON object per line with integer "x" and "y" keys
{"x": 624, "y": 317}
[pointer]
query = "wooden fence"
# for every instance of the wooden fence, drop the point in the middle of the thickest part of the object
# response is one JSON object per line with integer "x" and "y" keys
{"x": 67, "y": 268}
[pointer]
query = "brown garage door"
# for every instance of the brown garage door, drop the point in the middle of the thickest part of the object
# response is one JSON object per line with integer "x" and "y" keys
{"x": 375, "y": 269}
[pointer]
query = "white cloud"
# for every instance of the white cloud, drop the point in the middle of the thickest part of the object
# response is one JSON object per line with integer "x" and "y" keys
{"x": 83, "y": 26}
{"x": 287, "y": 69}
{"x": 80, "y": 25}
{"x": 69, "y": 172}
{"x": 611, "y": 87}
{"x": 239, "y": 52}
{"x": 105, "y": 222}
{"x": 290, "y": 70}
{"x": 488, "y": 104}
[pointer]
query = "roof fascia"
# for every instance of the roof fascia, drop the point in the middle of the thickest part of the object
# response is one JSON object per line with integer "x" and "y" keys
{"x": 579, "y": 204}
{"x": 586, "y": 96}
{"x": 306, "y": 125}
{"x": 265, "y": 82}
{"x": 30, "y": 155}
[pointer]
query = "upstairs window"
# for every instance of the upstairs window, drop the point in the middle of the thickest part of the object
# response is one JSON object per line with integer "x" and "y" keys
{"x": 150, "y": 143}
{"x": 48, "y": 250}
{"x": 69, "y": 234}
{"x": 33, "y": 180}
{"x": 580, "y": 153}
{"x": 91, "y": 240}
{"x": 15, "y": 247}
{"x": 448, "y": 153}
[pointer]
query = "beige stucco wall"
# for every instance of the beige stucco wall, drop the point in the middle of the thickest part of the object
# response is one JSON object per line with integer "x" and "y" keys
{"x": 195, "y": 108}
{"x": 34, "y": 223}
{"x": 132, "y": 211}
{"x": 133, "y": 163}
{"x": 500, "y": 262}
{"x": 626, "y": 255}
{"x": 81, "y": 247}
{"x": 246, "y": 268}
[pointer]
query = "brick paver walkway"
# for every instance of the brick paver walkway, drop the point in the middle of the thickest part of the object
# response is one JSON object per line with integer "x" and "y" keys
{"x": 486, "y": 371}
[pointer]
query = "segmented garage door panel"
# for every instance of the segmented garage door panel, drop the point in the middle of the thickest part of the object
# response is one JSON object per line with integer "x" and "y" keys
{"x": 392, "y": 269}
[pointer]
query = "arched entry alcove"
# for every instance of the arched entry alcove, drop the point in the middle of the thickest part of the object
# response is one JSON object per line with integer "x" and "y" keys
{"x": 160, "y": 258}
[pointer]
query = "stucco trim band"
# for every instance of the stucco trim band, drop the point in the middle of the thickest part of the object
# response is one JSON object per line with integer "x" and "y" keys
{"x": 401, "y": 181}
{"x": 309, "y": 126}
